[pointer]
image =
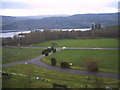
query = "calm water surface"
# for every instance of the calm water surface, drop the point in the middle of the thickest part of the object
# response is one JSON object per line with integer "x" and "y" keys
{"x": 11, "y": 33}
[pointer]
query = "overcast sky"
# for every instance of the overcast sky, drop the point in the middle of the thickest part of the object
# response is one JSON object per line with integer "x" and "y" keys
{"x": 52, "y": 7}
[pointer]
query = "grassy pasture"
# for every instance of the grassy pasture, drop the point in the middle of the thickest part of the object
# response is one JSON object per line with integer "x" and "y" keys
{"x": 72, "y": 80}
{"x": 10, "y": 55}
{"x": 107, "y": 59}
{"x": 108, "y": 43}
{"x": 0, "y": 55}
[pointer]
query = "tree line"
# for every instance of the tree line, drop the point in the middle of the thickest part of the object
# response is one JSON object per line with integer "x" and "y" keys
{"x": 45, "y": 35}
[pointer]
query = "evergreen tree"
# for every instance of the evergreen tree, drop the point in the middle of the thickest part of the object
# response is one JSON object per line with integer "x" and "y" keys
{"x": 53, "y": 61}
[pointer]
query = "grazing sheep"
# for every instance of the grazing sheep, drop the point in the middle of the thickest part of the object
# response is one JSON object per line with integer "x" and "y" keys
{"x": 18, "y": 44}
{"x": 14, "y": 73}
{"x": 25, "y": 62}
{"x": 37, "y": 78}
{"x": 63, "y": 48}
{"x": 108, "y": 88}
{"x": 24, "y": 75}
{"x": 71, "y": 64}
{"x": 49, "y": 47}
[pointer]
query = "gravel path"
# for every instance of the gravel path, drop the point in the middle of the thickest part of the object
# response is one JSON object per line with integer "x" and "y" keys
{"x": 38, "y": 62}
{"x": 41, "y": 64}
{"x": 66, "y": 48}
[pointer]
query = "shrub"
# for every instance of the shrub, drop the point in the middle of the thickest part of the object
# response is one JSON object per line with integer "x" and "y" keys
{"x": 92, "y": 66}
{"x": 43, "y": 52}
{"x": 53, "y": 44}
{"x": 54, "y": 50}
{"x": 48, "y": 50}
{"x": 65, "y": 65}
{"x": 53, "y": 61}
{"x": 46, "y": 54}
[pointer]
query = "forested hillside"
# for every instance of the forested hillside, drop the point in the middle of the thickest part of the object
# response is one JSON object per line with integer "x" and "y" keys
{"x": 46, "y": 35}
{"x": 68, "y": 22}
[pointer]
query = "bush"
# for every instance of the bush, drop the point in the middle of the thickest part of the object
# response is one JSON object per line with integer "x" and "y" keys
{"x": 48, "y": 50}
{"x": 65, "y": 65}
{"x": 92, "y": 66}
{"x": 54, "y": 50}
{"x": 43, "y": 52}
{"x": 53, "y": 44}
{"x": 53, "y": 61}
{"x": 46, "y": 54}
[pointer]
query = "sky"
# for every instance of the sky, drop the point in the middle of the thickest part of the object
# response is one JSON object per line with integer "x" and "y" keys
{"x": 56, "y": 7}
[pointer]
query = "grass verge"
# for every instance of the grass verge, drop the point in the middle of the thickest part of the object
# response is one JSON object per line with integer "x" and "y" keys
{"x": 106, "y": 59}
{"x": 47, "y": 77}
{"x": 10, "y": 55}
{"x": 101, "y": 43}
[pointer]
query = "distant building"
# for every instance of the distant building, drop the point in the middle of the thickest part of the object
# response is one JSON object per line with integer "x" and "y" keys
{"x": 96, "y": 26}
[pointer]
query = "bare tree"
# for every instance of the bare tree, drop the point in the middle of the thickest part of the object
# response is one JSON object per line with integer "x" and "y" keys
{"x": 54, "y": 44}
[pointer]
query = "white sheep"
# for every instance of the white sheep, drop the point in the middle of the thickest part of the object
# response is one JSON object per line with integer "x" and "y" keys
{"x": 108, "y": 88}
{"x": 18, "y": 44}
{"x": 71, "y": 64}
{"x": 25, "y": 62}
{"x": 14, "y": 73}
{"x": 63, "y": 48}
{"x": 37, "y": 78}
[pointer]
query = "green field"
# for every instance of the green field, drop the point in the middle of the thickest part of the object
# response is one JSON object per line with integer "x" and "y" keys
{"x": 107, "y": 59}
{"x": 48, "y": 77}
{"x": 108, "y": 43}
{"x": 10, "y": 55}
{"x": 0, "y": 55}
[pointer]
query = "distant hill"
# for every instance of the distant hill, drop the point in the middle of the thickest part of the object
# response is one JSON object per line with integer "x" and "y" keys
{"x": 40, "y": 16}
{"x": 68, "y": 22}
{"x": 6, "y": 20}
